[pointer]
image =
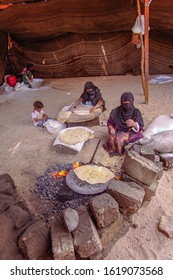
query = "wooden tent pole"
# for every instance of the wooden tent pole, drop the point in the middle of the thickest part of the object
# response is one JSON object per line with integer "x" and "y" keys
{"x": 146, "y": 48}
{"x": 142, "y": 49}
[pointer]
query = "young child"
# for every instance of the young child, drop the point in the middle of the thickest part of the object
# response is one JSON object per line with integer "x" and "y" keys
{"x": 38, "y": 115}
{"x": 27, "y": 74}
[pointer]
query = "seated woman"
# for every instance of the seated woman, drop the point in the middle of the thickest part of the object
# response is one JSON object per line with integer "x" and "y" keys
{"x": 125, "y": 124}
{"x": 91, "y": 96}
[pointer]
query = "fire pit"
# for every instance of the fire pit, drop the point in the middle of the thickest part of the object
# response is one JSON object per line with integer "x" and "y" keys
{"x": 89, "y": 179}
{"x": 52, "y": 186}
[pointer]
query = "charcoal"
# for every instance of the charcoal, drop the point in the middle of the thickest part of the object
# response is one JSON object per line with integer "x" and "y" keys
{"x": 56, "y": 190}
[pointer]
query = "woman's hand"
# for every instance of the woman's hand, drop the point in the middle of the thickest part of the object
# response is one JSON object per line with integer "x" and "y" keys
{"x": 92, "y": 110}
{"x": 71, "y": 109}
{"x": 111, "y": 130}
{"x": 131, "y": 123}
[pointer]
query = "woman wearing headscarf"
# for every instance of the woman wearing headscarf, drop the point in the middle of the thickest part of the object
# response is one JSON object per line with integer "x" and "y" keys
{"x": 125, "y": 124}
{"x": 90, "y": 96}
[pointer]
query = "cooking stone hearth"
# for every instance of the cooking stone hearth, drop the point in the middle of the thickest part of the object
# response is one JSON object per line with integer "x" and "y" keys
{"x": 75, "y": 220}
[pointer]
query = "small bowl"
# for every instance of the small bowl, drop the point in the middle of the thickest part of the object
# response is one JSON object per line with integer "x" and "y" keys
{"x": 36, "y": 83}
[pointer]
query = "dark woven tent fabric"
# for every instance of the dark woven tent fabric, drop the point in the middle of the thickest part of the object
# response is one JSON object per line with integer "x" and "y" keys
{"x": 82, "y": 38}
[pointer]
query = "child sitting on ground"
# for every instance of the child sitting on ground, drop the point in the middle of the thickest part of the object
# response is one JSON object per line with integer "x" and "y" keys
{"x": 38, "y": 115}
{"x": 27, "y": 74}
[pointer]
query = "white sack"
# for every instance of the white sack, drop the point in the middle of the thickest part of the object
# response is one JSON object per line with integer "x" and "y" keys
{"x": 54, "y": 126}
{"x": 21, "y": 87}
{"x": 161, "y": 142}
{"x": 139, "y": 27}
{"x": 161, "y": 123}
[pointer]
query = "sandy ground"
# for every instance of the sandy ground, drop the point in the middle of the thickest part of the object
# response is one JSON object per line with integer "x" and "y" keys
{"x": 26, "y": 152}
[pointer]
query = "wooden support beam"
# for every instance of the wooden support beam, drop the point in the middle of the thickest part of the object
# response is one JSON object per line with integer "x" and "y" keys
{"x": 146, "y": 48}
{"x": 142, "y": 49}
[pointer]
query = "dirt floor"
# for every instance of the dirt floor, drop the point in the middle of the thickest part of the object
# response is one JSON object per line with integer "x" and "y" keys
{"x": 27, "y": 152}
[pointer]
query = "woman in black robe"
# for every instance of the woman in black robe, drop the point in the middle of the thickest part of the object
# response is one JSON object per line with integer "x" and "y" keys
{"x": 125, "y": 125}
{"x": 90, "y": 96}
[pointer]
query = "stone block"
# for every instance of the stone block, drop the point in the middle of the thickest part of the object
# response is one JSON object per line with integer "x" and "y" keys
{"x": 19, "y": 216}
{"x": 150, "y": 191}
{"x": 104, "y": 209}
{"x": 129, "y": 198}
{"x": 167, "y": 160}
{"x": 136, "y": 147}
{"x": 97, "y": 256}
{"x": 9, "y": 249}
{"x": 86, "y": 238}
{"x": 6, "y": 178}
{"x": 71, "y": 218}
{"x": 7, "y": 188}
{"x": 147, "y": 152}
{"x": 6, "y": 201}
{"x": 140, "y": 168}
{"x": 108, "y": 233}
{"x": 124, "y": 229}
{"x": 62, "y": 242}
{"x": 35, "y": 241}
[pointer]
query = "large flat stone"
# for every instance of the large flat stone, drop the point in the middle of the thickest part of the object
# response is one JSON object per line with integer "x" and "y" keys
{"x": 19, "y": 216}
{"x": 35, "y": 241}
{"x": 104, "y": 209}
{"x": 140, "y": 168}
{"x": 150, "y": 191}
{"x": 147, "y": 152}
{"x": 6, "y": 178}
{"x": 62, "y": 242}
{"x": 86, "y": 238}
{"x": 6, "y": 201}
{"x": 129, "y": 198}
{"x": 7, "y": 188}
{"x": 108, "y": 233}
{"x": 9, "y": 249}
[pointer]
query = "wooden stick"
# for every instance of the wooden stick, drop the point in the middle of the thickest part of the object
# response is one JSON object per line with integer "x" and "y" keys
{"x": 142, "y": 51}
{"x": 92, "y": 158}
{"x": 146, "y": 13}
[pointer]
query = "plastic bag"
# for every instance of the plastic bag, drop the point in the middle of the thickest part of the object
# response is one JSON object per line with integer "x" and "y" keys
{"x": 139, "y": 27}
{"x": 161, "y": 79}
{"x": 54, "y": 126}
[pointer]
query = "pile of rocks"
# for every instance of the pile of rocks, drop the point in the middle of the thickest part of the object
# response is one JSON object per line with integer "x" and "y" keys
{"x": 21, "y": 235}
{"x": 107, "y": 217}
